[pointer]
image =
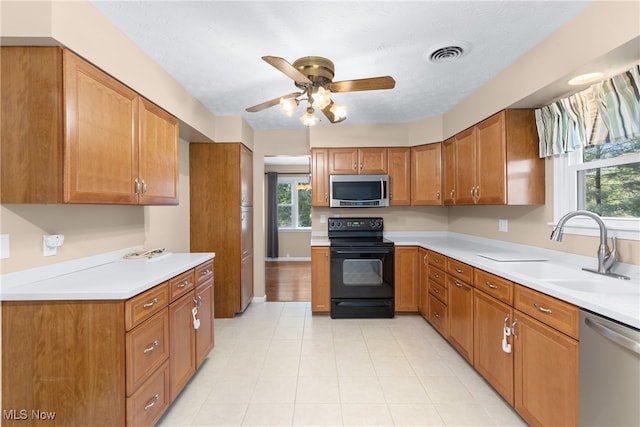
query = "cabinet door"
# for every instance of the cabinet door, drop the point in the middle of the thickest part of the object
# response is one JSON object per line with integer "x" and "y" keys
{"x": 205, "y": 333}
{"x": 460, "y": 308}
{"x": 489, "y": 359}
{"x": 465, "y": 167}
{"x": 449, "y": 172}
{"x": 320, "y": 280}
{"x": 373, "y": 161}
{"x": 425, "y": 175}
{"x": 343, "y": 161}
{"x": 246, "y": 177}
{"x": 399, "y": 176}
{"x": 246, "y": 282}
{"x": 101, "y": 138}
{"x": 319, "y": 177}
{"x": 423, "y": 260}
{"x": 406, "y": 279}
{"x": 182, "y": 337}
{"x": 490, "y": 186}
{"x": 158, "y": 156}
{"x": 546, "y": 374}
{"x": 246, "y": 221}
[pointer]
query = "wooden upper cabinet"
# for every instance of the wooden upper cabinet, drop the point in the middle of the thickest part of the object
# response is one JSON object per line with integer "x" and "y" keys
{"x": 426, "y": 174}
{"x": 400, "y": 176}
{"x": 89, "y": 138}
{"x": 497, "y": 161}
{"x": 448, "y": 172}
{"x": 363, "y": 161}
{"x": 246, "y": 176}
{"x": 319, "y": 177}
{"x": 158, "y": 156}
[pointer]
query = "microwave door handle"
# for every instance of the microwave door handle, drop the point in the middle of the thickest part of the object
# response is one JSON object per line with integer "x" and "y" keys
{"x": 382, "y": 191}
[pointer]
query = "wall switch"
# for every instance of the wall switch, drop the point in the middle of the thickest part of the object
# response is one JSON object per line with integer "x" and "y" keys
{"x": 503, "y": 225}
{"x": 4, "y": 246}
{"x": 323, "y": 219}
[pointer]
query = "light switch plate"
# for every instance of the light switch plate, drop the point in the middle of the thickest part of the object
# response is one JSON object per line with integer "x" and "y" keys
{"x": 503, "y": 225}
{"x": 5, "y": 247}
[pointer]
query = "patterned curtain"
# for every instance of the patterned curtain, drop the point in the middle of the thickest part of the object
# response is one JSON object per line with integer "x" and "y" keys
{"x": 608, "y": 111}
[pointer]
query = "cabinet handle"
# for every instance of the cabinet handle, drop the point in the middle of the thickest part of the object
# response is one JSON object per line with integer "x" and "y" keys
{"x": 144, "y": 187}
{"x": 206, "y": 272}
{"x": 151, "y": 348}
{"x": 458, "y": 270}
{"x": 477, "y": 192}
{"x": 473, "y": 194}
{"x": 436, "y": 290}
{"x": 424, "y": 260}
{"x": 513, "y": 329}
{"x": 490, "y": 285}
{"x": 183, "y": 284}
{"x": 151, "y": 303}
{"x": 437, "y": 195}
{"x": 458, "y": 284}
{"x": 542, "y": 309}
{"x": 137, "y": 186}
{"x": 436, "y": 275}
{"x": 504, "y": 322}
{"x": 452, "y": 193}
{"x": 152, "y": 402}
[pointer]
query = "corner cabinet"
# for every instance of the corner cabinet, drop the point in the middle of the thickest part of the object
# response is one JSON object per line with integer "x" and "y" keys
{"x": 495, "y": 162}
{"x": 221, "y": 218}
{"x": 90, "y": 139}
{"x": 399, "y": 176}
{"x": 106, "y": 362}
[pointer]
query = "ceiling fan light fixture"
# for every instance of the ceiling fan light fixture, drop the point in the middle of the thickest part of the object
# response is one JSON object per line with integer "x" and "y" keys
{"x": 320, "y": 97}
{"x": 308, "y": 118}
{"x": 288, "y": 105}
{"x": 339, "y": 112}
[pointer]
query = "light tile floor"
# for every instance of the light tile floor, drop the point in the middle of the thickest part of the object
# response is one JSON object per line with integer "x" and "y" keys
{"x": 279, "y": 365}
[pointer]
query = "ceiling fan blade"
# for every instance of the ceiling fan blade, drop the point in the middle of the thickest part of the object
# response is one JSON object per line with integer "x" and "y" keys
{"x": 373, "y": 83}
{"x": 271, "y": 102}
{"x": 289, "y": 70}
{"x": 329, "y": 114}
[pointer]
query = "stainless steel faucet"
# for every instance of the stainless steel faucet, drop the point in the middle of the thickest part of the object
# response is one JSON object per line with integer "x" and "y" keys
{"x": 606, "y": 257}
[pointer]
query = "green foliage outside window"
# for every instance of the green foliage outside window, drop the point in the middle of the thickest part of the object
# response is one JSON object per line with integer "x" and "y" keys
{"x": 294, "y": 204}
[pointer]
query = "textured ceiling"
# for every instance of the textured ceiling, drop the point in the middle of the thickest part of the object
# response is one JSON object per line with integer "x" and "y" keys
{"x": 213, "y": 48}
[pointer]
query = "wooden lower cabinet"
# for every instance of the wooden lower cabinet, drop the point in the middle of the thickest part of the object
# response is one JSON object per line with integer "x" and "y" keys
{"x": 104, "y": 363}
{"x": 406, "y": 279}
{"x": 423, "y": 292}
{"x": 182, "y": 336}
{"x": 320, "y": 279}
{"x": 546, "y": 374}
{"x": 496, "y": 366}
{"x": 460, "y": 317}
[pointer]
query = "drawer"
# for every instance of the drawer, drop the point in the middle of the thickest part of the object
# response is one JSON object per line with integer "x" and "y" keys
{"x": 203, "y": 272}
{"x": 497, "y": 287}
{"x": 438, "y": 291}
{"x": 145, "y": 305}
{"x": 147, "y": 405}
{"x": 438, "y": 315}
{"x": 558, "y": 314}
{"x": 147, "y": 348}
{"x": 181, "y": 284}
{"x": 461, "y": 270}
{"x": 437, "y": 259}
{"x": 437, "y": 275}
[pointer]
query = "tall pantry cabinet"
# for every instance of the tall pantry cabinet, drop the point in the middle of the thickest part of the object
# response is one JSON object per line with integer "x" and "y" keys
{"x": 221, "y": 213}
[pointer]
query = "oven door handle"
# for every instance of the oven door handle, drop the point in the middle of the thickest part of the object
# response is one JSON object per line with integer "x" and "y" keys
{"x": 367, "y": 250}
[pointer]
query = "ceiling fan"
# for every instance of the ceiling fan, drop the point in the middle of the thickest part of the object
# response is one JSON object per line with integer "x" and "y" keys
{"x": 313, "y": 75}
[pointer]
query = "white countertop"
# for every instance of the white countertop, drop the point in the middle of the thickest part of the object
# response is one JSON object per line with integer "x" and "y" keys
{"x": 103, "y": 277}
{"x": 622, "y": 303}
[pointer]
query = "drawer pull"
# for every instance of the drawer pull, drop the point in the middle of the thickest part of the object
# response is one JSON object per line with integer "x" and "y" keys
{"x": 436, "y": 275}
{"x": 458, "y": 284}
{"x": 542, "y": 309}
{"x": 490, "y": 285}
{"x": 151, "y": 303}
{"x": 458, "y": 270}
{"x": 436, "y": 260}
{"x": 183, "y": 284}
{"x": 436, "y": 290}
{"x": 152, "y": 402}
{"x": 436, "y": 315}
{"x": 151, "y": 348}
{"x": 206, "y": 272}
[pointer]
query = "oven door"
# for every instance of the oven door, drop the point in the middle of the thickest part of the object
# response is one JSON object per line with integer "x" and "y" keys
{"x": 362, "y": 272}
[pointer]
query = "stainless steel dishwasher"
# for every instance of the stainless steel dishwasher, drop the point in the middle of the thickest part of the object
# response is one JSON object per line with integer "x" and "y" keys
{"x": 609, "y": 372}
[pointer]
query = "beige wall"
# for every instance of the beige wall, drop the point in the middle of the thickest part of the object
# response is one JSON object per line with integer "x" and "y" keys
{"x": 95, "y": 229}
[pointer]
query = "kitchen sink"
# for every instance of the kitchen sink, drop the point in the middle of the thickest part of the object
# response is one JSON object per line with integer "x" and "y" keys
{"x": 604, "y": 285}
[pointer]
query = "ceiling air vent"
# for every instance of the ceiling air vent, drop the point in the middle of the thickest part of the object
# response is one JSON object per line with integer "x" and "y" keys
{"x": 447, "y": 53}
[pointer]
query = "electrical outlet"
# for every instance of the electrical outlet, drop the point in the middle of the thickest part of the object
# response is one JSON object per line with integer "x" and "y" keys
{"x": 323, "y": 219}
{"x": 503, "y": 225}
{"x": 4, "y": 246}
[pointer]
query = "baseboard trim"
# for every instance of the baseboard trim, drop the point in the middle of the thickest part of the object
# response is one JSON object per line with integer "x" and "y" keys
{"x": 288, "y": 259}
{"x": 259, "y": 299}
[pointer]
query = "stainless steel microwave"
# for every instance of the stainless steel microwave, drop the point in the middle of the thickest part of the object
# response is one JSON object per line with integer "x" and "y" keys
{"x": 359, "y": 191}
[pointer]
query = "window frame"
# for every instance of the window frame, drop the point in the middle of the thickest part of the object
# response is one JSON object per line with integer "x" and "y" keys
{"x": 293, "y": 181}
{"x": 566, "y": 192}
